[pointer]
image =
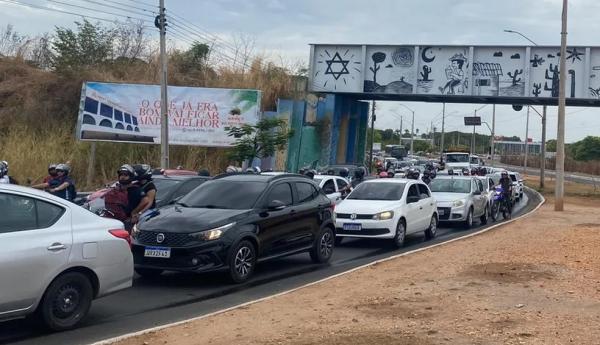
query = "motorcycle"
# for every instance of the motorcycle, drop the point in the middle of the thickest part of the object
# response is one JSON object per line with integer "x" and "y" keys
{"x": 501, "y": 204}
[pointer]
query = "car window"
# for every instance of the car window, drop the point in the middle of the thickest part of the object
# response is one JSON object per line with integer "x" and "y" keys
{"x": 329, "y": 187}
{"x": 450, "y": 185}
{"x": 341, "y": 183}
{"x": 413, "y": 192}
{"x": 513, "y": 177}
{"x": 306, "y": 192}
{"x": 187, "y": 187}
{"x": 21, "y": 213}
{"x": 423, "y": 191}
{"x": 480, "y": 185}
{"x": 281, "y": 192}
{"x": 377, "y": 191}
{"x": 224, "y": 194}
{"x": 491, "y": 183}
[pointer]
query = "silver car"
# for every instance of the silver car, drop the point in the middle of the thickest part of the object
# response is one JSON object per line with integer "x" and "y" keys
{"x": 460, "y": 199}
{"x": 57, "y": 257}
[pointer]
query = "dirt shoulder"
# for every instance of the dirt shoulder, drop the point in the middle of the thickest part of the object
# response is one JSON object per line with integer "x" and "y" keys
{"x": 535, "y": 281}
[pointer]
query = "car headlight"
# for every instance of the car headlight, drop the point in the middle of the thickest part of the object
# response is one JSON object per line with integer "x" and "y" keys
{"x": 458, "y": 203}
{"x": 135, "y": 230}
{"x": 384, "y": 215}
{"x": 212, "y": 234}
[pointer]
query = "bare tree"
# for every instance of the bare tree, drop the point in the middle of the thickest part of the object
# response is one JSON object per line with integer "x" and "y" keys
{"x": 243, "y": 45}
{"x": 40, "y": 53}
{"x": 131, "y": 41}
{"x": 10, "y": 41}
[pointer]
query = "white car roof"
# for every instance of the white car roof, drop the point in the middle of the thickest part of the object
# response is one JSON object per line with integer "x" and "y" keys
{"x": 461, "y": 177}
{"x": 273, "y": 173}
{"x": 33, "y": 192}
{"x": 389, "y": 180}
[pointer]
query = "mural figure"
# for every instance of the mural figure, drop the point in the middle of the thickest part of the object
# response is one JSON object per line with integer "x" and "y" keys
{"x": 455, "y": 75}
{"x": 537, "y": 61}
{"x": 425, "y": 73}
{"x": 595, "y": 92}
{"x": 403, "y": 57}
{"x": 573, "y": 55}
{"x": 537, "y": 89}
{"x": 424, "y": 55}
{"x": 514, "y": 76}
{"x": 554, "y": 78}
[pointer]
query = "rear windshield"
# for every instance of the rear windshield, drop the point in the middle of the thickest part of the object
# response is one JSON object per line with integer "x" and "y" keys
{"x": 378, "y": 191}
{"x": 450, "y": 186}
{"x": 222, "y": 194}
{"x": 513, "y": 178}
{"x": 164, "y": 187}
{"x": 457, "y": 158}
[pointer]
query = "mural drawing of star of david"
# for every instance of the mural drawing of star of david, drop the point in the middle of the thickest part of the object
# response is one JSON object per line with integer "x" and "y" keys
{"x": 336, "y": 66}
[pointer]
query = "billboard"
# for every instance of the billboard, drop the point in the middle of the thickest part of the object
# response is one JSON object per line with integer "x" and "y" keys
{"x": 446, "y": 72}
{"x": 131, "y": 113}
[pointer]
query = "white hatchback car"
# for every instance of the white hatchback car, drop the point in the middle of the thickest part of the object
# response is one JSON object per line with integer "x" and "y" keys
{"x": 387, "y": 209}
{"x": 335, "y": 187}
{"x": 57, "y": 257}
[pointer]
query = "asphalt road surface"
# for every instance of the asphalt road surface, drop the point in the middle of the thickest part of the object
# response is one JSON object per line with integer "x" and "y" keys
{"x": 174, "y": 297}
{"x": 572, "y": 177}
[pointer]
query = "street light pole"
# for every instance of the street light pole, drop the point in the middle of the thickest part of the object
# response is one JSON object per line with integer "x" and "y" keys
{"x": 412, "y": 134}
{"x": 526, "y": 143}
{"x": 372, "y": 136}
{"x": 559, "y": 191}
{"x": 443, "y": 129}
{"x": 543, "y": 158}
{"x": 492, "y": 150}
{"x": 164, "y": 112}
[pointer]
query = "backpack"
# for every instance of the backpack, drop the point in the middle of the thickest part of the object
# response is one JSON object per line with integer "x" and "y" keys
{"x": 116, "y": 202}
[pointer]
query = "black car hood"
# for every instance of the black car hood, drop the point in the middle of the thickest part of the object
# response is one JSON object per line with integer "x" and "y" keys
{"x": 181, "y": 219}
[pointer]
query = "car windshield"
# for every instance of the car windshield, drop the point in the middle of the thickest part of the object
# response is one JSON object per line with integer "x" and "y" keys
{"x": 448, "y": 185}
{"x": 164, "y": 187}
{"x": 457, "y": 158}
{"x": 378, "y": 191}
{"x": 474, "y": 160}
{"x": 223, "y": 194}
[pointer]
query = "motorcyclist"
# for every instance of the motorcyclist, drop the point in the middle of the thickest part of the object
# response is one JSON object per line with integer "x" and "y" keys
{"x": 359, "y": 176}
{"x": 62, "y": 185}
{"x": 413, "y": 174}
{"x": 51, "y": 175}
{"x": 4, "y": 179}
{"x": 506, "y": 184}
{"x": 310, "y": 173}
{"x": 203, "y": 172}
{"x": 344, "y": 172}
{"x": 126, "y": 175}
{"x": 427, "y": 177}
{"x": 147, "y": 191}
{"x": 330, "y": 172}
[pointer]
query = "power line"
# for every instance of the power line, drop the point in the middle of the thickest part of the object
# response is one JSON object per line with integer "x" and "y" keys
{"x": 131, "y": 6}
{"x": 117, "y": 7}
{"x": 143, "y": 3}
{"x": 95, "y": 10}
{"x": 24, "y": 4}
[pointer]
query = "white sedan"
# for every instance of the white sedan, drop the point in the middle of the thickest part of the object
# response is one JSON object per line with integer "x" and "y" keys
{"x": 57, "y": 257}
{"x": 387, "y": 209}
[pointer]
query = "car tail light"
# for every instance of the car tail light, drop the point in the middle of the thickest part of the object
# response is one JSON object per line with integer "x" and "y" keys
{"x": 120, "y": 233}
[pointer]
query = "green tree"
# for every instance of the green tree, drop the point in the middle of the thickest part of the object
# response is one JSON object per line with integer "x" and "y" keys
{"x": 258, "y": 141}
{"x": 422, "y": 146}
{"x": 551, "y": 145}
{"x": 587, "y": 149}
{"x": 89, "y": 45}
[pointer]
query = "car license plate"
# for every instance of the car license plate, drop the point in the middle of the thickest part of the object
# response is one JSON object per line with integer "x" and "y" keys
{"x": 352, "y": 227}
{"x": 441, "y": 212}
{"x": 157, "y": 252}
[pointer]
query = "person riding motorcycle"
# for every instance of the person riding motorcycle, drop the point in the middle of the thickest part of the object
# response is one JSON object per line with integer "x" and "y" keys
{"x": 143, "y": 174}
{"x": 413, "y": 174}
{"x": 4, "y": 179}
{"x": 344, "y": 172}
{"x": 359, "y": 176}
{"x": 310, "y": 173}
{"x": 62, "y": 185}
{"x": 427, "y": 177}
{"x": 52, "y": 174}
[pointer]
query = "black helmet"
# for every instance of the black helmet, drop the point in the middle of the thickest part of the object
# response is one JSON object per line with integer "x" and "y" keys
{"x": 143, "y": 171}
{"x": 344, "y": 172}
{"x": 203, "y": 172}
{"x": 330, "y": 172}
{"x": 413, "y": 174}
{"x": 310, "y": 173}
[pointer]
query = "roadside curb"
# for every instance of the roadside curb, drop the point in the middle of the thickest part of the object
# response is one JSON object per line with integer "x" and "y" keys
{"x": 542, "y": 201}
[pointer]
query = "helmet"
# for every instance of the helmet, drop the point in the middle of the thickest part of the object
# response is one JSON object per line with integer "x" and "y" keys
{"x": 64, "y": 168}
{"x": 3, "y": 169}
{"x": 344, "y": 172}
{"x": 330, "y": 172}
{"x": 390, "y": 174}
{"x": 52, "y": 166}
{"x": 203, "y": 172}
{"x": 231, "y": 169}
{"x": 256, "y": 170}
{"x": 125, "y": 168}
{"x": 301, "y": 171}
{"x": 383, "y": 174}
{"x": 143, "y": 171}
{"x": 413, "y": 174}
{"x": 504, "y": 173}
{"x": 310, "y": 173}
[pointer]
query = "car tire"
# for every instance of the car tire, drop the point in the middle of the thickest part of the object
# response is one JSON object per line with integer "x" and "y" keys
{"x": 495, "y": 212}
{"x": 484, "y": 218}
{"x": 431, "y": 232}
{"x": 148, "y": 272}
{"x": 323, "y": 247}
{"x": 468, "y": 224}
{"x": 400, "y": 235}
{"x": 338, "y": 240}
{"x": 66, "y": 301}
{"x": 242, "y": 261}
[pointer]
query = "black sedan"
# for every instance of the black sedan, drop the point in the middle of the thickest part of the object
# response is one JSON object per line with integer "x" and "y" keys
{"x": 232, "y": 222}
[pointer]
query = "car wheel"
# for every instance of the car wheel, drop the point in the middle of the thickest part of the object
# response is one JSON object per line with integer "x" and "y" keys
{"x": 400, "y": 234}
{"x": 431, "y": 232}
{"x": 495, "y": 211}
{"x": 469, "y": 221}
{"x": 148, "y": 272}
{"x": 338, "y": 240}
{"x": 66, "y": 301}
{"x": 484, "y": 217}
{"x": 323, "y": 247}
{"x": 242, "y": 261}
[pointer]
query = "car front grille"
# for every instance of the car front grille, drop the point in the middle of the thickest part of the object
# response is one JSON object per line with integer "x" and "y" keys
{"x": 349, "y": 216}
{"x": 170, "y": 239}
{"x": 446, "y": 211}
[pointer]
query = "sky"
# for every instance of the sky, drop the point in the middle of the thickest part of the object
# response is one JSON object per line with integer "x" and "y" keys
{"x": 283, "y": 29}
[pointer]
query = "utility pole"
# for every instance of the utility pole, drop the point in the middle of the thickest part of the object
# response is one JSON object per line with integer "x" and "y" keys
{"x": 492, "y": 150}
{"x": 443, "y": 129}
{"x": 401, "y": 120}
{"x": 372, "y": 135}
{"x": 412, "y": 134}
{"x": 559, "y": 191}
{"x": 543, "y": 158}
{"x": 164, "y": 111}
{"x": 473, "y": 138}
{"x": 526, "y": 142}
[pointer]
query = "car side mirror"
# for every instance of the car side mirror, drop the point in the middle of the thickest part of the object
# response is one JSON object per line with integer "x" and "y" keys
{"x": 412, "y": 199}
{"x": 477, "y": 192}
{"x": 276, "y": 205}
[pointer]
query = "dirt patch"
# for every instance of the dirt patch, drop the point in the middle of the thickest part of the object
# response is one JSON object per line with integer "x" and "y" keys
{"x": 507, "y": 272}
{"x": 395, "y": 308}
{"x": 588, "y": 225}
{"x": 367, "y": 338}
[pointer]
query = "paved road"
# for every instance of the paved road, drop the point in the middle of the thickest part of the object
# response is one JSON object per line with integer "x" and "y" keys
{"x": 175, "y": 297}
{"x": 579, "y": 178}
